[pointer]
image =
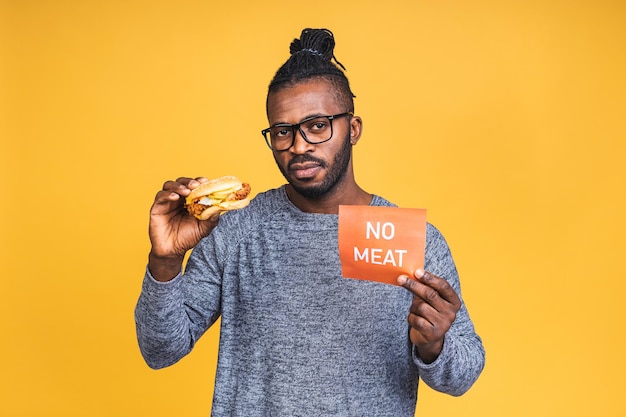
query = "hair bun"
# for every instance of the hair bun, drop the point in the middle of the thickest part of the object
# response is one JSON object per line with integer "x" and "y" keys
{"x": 317, "y": 42}
{"x": 312, "y": 56}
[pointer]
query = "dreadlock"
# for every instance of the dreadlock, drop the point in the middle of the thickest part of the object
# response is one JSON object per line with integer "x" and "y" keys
{"x": 311, "y": 57}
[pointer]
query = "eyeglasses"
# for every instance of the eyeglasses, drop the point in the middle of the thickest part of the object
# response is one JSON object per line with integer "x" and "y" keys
{"x": 314, "y": 130}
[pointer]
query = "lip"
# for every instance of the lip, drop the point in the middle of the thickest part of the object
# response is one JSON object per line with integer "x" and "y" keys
{"x": 305, "y": 170}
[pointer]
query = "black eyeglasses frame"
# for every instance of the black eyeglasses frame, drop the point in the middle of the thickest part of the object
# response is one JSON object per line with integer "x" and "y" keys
{"x": 293, "y": 127}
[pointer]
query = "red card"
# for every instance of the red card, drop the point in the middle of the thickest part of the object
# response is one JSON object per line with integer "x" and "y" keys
{"x": 379, "y": 243}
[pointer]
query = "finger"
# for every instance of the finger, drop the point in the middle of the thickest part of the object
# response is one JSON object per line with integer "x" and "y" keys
{"x": 184, "y": 180}
{"x": 171, "y": 193}
{"x": 165, "y": 203}
{"x": 412, "y": 285}
{"x": 192, "y": 183}
{"x": 426, "y": 330}
{"x": 189, "y": 183}
{"x": 182, "y": 188}
{"x": 443, "y": 287}
{"x": 166, "y": 196}
{"x": 429, "y": 295}
{"x": 421, "y": 308}
{"x": 428, "y": 324}
{"x": 419, "y": 289}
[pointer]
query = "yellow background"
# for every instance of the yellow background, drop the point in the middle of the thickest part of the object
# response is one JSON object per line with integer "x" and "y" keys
{"x": 505, "y": 119}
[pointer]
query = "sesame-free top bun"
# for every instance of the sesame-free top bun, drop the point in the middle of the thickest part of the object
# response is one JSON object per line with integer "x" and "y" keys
{"x": 214, "y": 185}
{"x": 217, "y": 195}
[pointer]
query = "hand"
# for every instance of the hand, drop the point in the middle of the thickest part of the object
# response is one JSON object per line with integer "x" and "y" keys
{"x": 172, "y": 230}
{"x": 434, "y": 308}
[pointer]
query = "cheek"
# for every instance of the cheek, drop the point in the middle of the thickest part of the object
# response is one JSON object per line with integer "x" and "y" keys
{"x": 280, "y": 158}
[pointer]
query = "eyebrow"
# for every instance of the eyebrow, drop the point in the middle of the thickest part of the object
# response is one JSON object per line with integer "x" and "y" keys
{"x": 314, "y": 115}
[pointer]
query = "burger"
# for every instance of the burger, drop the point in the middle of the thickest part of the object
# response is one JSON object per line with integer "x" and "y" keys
{"x": 216, "y": 196}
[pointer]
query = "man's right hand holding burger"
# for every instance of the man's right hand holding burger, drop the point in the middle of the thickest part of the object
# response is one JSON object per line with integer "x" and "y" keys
{"x": 177, "y": 224}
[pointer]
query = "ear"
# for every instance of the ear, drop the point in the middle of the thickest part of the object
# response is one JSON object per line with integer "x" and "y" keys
{"x": 356, "y": 127}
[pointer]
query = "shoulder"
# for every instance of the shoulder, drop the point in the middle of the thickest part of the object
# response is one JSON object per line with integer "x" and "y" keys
{"x": 438, "y": 256}
{"x": 237, "y": 224}
{"x": 264, "y": 204}
{"x": 434, "y": 237}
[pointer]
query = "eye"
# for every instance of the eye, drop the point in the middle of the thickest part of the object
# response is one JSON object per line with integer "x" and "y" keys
{"x": 280, "y": 132}
{"x": 317, "y": 125}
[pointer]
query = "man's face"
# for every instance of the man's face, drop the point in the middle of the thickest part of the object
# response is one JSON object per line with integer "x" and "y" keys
{"x": 313, "y": 170}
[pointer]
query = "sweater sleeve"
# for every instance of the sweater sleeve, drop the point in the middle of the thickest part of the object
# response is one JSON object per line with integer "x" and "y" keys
{"x": 160, "y": 323}
{"x": 462, "y": 358}
{"x": 171, "y": 316}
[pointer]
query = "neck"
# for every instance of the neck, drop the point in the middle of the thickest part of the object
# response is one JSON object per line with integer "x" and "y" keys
{"x": 344, "y": 194}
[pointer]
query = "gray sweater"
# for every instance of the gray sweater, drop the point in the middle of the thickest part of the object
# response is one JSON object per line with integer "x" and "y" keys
{"x": 296, "y": 338}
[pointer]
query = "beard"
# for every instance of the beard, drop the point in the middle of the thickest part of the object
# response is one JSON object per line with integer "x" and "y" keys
{"x": 337, "y": 170}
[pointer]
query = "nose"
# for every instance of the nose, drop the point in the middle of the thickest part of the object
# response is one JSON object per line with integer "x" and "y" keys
{"x": 299, "y": 145}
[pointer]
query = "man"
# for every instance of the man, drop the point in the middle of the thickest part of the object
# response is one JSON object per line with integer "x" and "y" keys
{"x": 297, "y": 339}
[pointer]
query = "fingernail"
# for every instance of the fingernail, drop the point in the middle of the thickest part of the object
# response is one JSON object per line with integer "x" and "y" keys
{"x": 402, "y": 280}
{"x": 419, "y": 273}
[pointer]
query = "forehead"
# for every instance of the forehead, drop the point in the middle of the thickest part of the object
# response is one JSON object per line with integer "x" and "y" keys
{"x": 309, "y": 98}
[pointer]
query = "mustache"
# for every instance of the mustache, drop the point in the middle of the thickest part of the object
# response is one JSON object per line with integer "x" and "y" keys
{"x": 299, "y": 159}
